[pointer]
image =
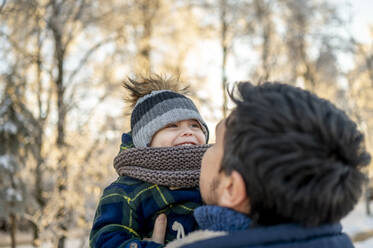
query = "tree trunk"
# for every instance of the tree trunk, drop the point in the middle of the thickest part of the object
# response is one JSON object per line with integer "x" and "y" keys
{"x": 149, "y": 10}
{"x": 60, "y": 102}
{"x": 264, "y": 18}
{"x": 59, "y": 54}
{"x": 224, "y": 46}
{"x": 61, "y": 242}
{"x": 36, "y": 235}
{"x": 13, "y": 229}
{"x": 266, "y": 46}
{"x": 368, "y": 198}
{"x": 38, "y": 179}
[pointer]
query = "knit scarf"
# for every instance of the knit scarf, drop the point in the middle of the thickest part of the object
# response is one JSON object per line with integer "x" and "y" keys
{"x": 177, "y": 166}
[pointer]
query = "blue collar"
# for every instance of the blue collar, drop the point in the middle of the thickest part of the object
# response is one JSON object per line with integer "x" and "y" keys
{"x": 217, "y": 218}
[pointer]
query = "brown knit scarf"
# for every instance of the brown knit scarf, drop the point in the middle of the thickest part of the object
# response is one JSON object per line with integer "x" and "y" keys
{"x": 177, "y": 166}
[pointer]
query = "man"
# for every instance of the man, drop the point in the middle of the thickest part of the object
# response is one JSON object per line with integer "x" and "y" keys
{"x": 284, "y": 171}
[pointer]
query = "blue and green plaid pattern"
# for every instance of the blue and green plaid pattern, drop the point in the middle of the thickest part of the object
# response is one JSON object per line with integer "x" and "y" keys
{"x": 128, "y": 208}
{"x": 126, "y": 141}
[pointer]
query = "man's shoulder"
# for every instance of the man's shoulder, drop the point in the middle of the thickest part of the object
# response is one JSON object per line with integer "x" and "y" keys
{"x": 282, "y": 236}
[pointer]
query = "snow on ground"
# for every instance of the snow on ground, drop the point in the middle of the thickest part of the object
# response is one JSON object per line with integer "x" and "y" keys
{"x": 365, "y": 244}
{"x": 356, "y": 222}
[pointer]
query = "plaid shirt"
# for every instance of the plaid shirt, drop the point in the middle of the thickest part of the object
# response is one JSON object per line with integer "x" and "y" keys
{"x": 128, "y": 208}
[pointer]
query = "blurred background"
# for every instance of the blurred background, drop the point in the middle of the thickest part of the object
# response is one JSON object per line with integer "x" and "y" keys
{"x": 62, "y": 112}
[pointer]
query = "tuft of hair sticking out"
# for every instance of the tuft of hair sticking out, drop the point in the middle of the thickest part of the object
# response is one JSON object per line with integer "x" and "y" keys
{"x": 140, "y": 86}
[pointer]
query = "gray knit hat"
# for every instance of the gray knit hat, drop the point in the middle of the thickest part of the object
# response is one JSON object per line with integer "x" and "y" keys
{"x": 154, "y": 111}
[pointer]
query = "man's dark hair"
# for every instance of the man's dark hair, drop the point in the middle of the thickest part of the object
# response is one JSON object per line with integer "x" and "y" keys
{"x": 299, "y": 155}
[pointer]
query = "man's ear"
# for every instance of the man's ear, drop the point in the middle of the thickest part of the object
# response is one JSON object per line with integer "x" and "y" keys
{"x": 233, "y": 192}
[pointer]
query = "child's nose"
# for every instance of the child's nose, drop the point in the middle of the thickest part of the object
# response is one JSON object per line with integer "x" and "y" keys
{"x": 187, "y": 131}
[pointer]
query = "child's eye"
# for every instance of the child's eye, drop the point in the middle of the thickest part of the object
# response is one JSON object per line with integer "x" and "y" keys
{"x": 195, "y": 125}
{"x": 171, "y": 125}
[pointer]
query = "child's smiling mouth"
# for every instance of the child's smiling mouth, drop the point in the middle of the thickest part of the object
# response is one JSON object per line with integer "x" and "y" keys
{"x": 186, "y": 144}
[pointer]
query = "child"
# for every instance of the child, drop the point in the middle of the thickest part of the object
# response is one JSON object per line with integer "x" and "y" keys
{"x": 158, "y": 167}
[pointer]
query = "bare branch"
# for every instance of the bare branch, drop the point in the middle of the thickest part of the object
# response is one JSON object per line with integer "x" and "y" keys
{"x": 80, "y": 10}
{"x": 87, "y": 55}
{"x": 100, "y": 101}
{"x": 75, "y": 21}
{"x": 16, "y": 46}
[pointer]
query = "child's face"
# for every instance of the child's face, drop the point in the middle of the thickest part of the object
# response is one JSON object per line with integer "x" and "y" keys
{"x": 187, "y": 132}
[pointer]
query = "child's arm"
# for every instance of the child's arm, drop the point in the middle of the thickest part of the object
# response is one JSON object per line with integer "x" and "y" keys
{"x": 115, "y": 224}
